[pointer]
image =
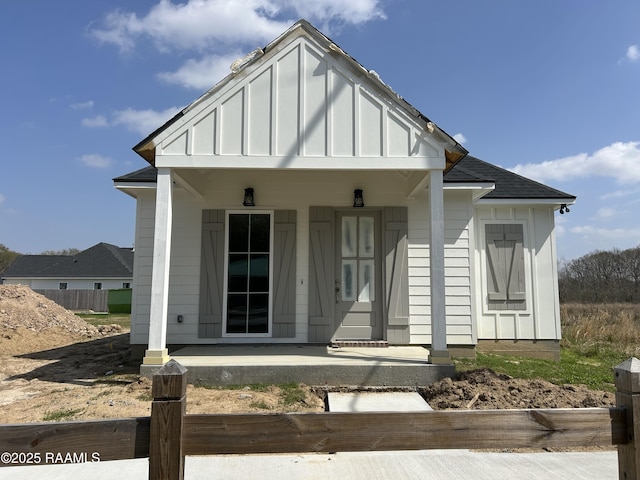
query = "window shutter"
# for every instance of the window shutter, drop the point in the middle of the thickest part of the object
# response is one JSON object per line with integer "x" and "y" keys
{"x": 321, "y": 283}
{"x": 496, "y": 263}
{"x": 211, "y": 274}
{"x": 505, "y": 265}
{"x": 396, "y": 275}
{"x": 284, "y": 274}
{"x": 516, "y": 281}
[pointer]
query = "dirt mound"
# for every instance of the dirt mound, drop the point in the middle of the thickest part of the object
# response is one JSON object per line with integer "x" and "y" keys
{"x": 484, "y": 389}
{"x": 26, "y": 315}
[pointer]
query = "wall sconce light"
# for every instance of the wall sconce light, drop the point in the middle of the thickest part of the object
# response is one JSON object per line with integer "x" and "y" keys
{"x": 358, "y": 200}
{"x": 248, "y": 198}
{"x": 564, "y": 208}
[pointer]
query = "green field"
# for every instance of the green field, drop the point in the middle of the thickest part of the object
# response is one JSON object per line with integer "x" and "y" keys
{"x": 595, "y": 338}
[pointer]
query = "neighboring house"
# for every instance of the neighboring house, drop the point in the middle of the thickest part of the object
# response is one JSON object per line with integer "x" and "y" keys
{"x": 101, "y": 267}
{"x": 301, "y": 200}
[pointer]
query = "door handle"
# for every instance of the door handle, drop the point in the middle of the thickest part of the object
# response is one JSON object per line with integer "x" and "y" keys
{"x": 337, "y": 290}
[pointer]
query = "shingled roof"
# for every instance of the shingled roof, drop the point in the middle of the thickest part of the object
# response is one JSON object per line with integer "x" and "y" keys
{"x": 100, "y": 261}
{"x": 508, "y": 185}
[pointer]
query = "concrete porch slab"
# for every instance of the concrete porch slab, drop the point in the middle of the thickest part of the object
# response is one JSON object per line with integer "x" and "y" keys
{"x": 317, "y": 365}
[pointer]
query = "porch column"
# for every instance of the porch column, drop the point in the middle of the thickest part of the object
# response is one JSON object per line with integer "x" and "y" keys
{"x": 157, "y": 353}
{"x": 439, "y": 353}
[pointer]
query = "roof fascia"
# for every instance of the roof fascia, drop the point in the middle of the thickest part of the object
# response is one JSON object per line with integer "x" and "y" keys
{"x": 478, "y": 189}
{"x": 527, "y": 201}
{"x": 132, "y": 188}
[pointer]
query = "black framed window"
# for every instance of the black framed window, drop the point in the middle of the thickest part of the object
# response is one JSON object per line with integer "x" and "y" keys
{"x": 248, "y": 273}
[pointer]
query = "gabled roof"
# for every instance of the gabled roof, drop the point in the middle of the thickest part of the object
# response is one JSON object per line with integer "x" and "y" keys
{"x": 507, "y": 185}
{"x": 243, "y": 68}
{"x": 100, "y": 261}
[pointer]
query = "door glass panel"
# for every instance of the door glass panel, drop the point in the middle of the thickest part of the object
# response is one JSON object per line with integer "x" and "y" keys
{"x": 366, "y": 246}
{"x": 238, "y": 272}
{"x": 248, "y": 277}
{"x": 258, "y": 313}
{"x": 238, "y": 233}
{"x": 259, "y": 273}
{"x": 349, "y": 279}
{"x": 366, "y": 281}
{"x": 260, "y": 233}
{"x": 236, "y": 313}
{"x": 349, "y": 236}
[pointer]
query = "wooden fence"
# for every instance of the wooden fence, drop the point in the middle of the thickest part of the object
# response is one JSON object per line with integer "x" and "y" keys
{"x": 169, "y": 434}
{"x": 96, "y": 300}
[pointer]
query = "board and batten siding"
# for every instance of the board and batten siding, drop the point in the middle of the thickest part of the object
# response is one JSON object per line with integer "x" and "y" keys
{"x": 458, "y": 270}
{"x": 540, "y": 319}
{"x": 298, "y": 103}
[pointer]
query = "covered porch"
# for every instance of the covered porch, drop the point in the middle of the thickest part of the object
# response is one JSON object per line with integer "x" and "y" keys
{"x": 316, "y": 365}
{"x": 298, "y": 260}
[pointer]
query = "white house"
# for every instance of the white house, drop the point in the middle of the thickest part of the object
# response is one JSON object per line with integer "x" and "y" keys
{"x": 301, "y": 200}
{"x": 100, "y": 267}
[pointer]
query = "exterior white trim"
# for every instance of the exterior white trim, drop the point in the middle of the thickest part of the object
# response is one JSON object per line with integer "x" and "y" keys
{"x": 525, "y": 201}
{"x": 300, "y": 163}
{"x": 226, "y": 274}
{"x": 436, "y": 258}
{"x": 161, "y": 261}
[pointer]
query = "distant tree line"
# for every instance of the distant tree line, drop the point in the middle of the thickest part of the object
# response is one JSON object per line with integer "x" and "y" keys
{"x": 6, "y": 257}
{"x": 602, "y": 277}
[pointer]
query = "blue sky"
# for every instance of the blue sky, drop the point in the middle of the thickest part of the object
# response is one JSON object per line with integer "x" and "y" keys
{"x": 547, "y": 88}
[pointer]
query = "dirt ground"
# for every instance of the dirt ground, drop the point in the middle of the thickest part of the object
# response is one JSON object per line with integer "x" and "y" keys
{"x": 56, "y": 366}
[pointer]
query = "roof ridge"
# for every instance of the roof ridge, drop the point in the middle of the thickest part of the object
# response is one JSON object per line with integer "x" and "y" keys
{"x": 115, "y": 251}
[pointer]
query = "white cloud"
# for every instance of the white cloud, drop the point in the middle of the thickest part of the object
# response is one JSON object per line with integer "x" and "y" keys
{"x": 619, "y": 160}
{"x": 460, "y": 138}
{"x": 633, "y": 53}
{"x": 203, "y": 24}
{"x": 143, "y": 121}
{"x": 2, "y": 197}
{"x": 619, "y": 194}
{"x": 140, "y": 121}
{"x": 95, "y": 160}
{"x": 590, "y": 231}
{"x": 95, "y": 122}
{"x": 83, "y": 105}
{"x": 197, "y": 24}
{"x": 201, "y": 74}
{"x": 605, "y": 213}
{"x": 326, "y": 11}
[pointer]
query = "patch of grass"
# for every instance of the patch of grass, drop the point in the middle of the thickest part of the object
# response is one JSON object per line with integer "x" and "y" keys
{"x": 145, "y": 397}
{"x": 104, "y": 393}
{"x": 595, "y": 338}
{"x": 97, "y": 319}
{"x": 573, "y": 368}
{"x": 58, "y": 415}
{"x": 254, "y": 387}
{"x": 260, "y": 405}
{"x": 291, "y": 393}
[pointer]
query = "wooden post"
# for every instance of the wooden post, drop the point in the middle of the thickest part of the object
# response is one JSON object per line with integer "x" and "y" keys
{"x": 166, "y": 458}
{"x": 627, "y": 378}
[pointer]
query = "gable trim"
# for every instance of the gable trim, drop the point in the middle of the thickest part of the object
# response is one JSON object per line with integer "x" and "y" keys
{"x": 302, "y": 36}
